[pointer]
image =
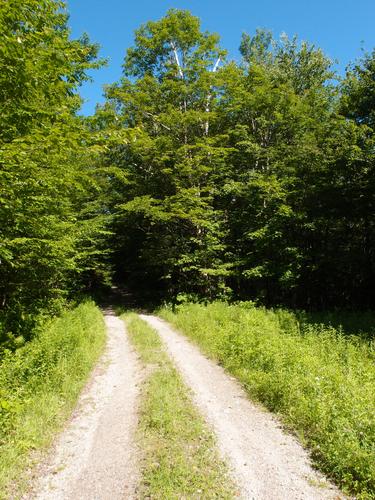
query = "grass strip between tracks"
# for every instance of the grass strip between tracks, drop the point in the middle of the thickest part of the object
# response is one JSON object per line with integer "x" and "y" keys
{"x": 180, "y": 457}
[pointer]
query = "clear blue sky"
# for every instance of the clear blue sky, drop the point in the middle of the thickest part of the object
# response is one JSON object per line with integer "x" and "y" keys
{"x": 337, "y": 26}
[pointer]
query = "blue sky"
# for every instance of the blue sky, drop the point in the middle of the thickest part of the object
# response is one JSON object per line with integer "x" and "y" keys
{"x": 339, "y": 27}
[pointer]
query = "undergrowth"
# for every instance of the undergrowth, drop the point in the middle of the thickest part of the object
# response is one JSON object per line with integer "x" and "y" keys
{"x": 180, "y": 458}
{"x": 321, "y": 381}
{"x": 39, "y": 385}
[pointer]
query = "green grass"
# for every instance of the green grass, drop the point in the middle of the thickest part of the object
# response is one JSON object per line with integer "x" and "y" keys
{"x": 180, "y": 457}
{"x": 39, "y": 385}
{"x": 321, "y": 381}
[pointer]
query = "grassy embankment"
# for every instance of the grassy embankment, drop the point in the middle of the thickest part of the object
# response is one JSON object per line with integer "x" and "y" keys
{"x": 321, "y": 381}
{"x": 39, "y": 385}
{"x": 180, "y": 459}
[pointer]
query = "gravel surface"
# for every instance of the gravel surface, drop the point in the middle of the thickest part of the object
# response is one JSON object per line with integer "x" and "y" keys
{"x": 266, "y": 463}
{"x": 96, "y": 456}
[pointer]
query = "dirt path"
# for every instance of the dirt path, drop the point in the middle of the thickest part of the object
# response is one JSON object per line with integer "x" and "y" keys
{"x": 96, "y": 457}
{"x": 266, "y": 463}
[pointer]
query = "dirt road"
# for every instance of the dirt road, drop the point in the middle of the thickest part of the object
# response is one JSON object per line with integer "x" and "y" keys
{"x": 96, "y": 456}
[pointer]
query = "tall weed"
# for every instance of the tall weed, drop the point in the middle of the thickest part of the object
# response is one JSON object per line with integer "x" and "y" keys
{"x": 321, "y": 381}
{"x": 40, "y": 382}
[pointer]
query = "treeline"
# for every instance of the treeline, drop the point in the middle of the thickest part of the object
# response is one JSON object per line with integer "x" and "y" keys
{"x": 200, "y": 177}
{"x": 249, "y": 180}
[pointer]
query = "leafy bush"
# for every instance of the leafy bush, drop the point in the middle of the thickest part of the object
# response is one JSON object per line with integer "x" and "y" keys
{"x": 40, "y": 382}
{"x": 319, "y": 380}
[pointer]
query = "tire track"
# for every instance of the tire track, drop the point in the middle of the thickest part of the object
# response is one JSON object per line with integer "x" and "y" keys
{"x": 96, "y": 456}
{"x": 266, "y": 463}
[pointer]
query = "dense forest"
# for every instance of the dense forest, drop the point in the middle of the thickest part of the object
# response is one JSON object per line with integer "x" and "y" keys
{"x": 199, "y": 178}
{"x": 233, "y": 198}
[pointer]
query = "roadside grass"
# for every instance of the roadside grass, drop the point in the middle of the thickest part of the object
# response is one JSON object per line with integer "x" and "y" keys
{"x": 180, "y": 457}
{"x": 319, "y": 380}
{"x": 39, "y": 386}
{"x": 347, "y": 322}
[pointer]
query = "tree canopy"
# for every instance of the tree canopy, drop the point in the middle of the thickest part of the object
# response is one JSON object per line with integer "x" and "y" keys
{"x": 47, "y": 224}
{"x": 200, "y": 177}
{"x": 244, "y": 180}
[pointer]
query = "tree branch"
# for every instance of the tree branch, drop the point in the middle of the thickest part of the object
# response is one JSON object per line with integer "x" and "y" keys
{"x": 179, "y": 69}
{"x": 209, "y": 97}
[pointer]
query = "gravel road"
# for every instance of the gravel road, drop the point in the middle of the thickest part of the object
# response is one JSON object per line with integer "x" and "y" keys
{"x": 96, "y": 456}
{"x": 266, "y": 463}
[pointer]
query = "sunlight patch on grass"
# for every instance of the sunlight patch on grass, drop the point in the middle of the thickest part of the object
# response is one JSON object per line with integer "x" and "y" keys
{"x": 318, "y": 379}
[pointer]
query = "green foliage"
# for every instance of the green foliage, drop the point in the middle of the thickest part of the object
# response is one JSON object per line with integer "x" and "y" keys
{"x": 50, "y": 226}
{"x": 320, "y": 381}
{"x": 169, "y": 234}
{"x": 249, "y": 180}
{"x": 299, "y": 197}
{"x": 302, "y": 65}
{"x": 40, "y": 383}
{"x": 198, "y": 176}
{"x": 288, "y": 144}
{"x": 358, "y": 96}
